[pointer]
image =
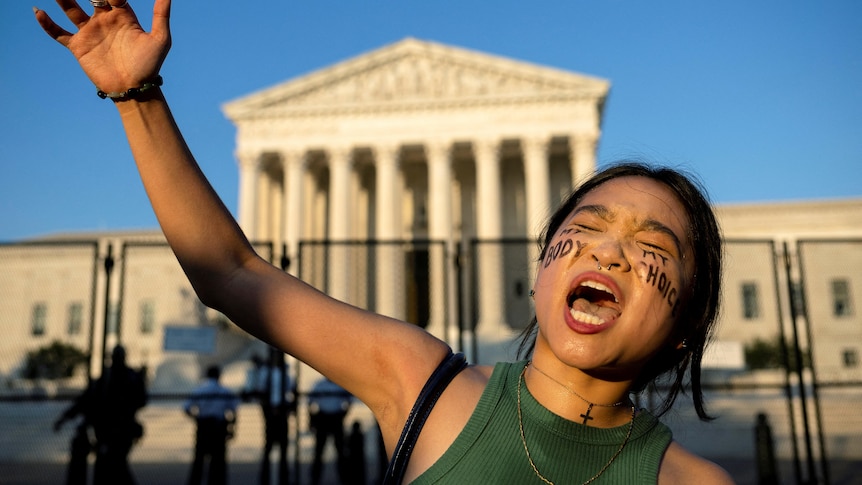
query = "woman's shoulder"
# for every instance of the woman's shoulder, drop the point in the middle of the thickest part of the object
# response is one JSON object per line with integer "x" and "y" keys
{"x": 682, "y": 466}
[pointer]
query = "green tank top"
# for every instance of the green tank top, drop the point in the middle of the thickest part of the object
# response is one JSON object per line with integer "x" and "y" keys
{"x": 489, "y": 448}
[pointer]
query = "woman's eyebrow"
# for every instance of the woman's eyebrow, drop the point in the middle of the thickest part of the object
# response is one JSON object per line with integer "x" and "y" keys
{"x": 598, "y": 210}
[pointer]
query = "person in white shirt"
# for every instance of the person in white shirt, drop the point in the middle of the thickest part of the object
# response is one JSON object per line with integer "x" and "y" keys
{"x": 213, "y": 407}
{"x": 271, "y": 385}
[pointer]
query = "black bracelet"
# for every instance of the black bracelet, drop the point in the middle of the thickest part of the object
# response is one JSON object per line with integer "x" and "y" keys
{"x": 133, "y": 92}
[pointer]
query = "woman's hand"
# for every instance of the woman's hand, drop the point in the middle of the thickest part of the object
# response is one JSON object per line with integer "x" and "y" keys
{"x": 112, "y": 48}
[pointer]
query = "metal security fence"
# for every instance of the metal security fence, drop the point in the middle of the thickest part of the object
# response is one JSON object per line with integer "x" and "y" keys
{"x": 783, "y": 375}
{"x": 403, "y": 278}
{"x": 825, "y": 296}
{"x": 782, "y": 379}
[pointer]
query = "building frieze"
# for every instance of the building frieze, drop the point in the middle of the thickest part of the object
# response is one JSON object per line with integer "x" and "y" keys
{"x": 413, "y": 75}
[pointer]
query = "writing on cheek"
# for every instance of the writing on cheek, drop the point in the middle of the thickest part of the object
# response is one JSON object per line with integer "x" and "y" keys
{"x": 655, "y": 256}
{"x": 662, "y": 282}
{"x": 561, "y": 249}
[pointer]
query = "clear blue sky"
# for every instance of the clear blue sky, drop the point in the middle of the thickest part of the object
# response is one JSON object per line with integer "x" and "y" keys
{"x": 762, "y": 99}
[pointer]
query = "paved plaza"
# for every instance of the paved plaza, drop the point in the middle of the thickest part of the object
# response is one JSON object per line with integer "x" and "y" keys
{"x": 32, "y": 454}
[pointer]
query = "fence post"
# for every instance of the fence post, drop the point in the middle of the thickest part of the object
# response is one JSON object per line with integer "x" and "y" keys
{"x": 767, "y": 473}
{"x": 109, "y": 267}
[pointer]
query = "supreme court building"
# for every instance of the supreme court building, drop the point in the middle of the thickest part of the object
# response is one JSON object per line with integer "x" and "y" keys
{"x": 416, "y": 141}
{"x": 414, "y": 181}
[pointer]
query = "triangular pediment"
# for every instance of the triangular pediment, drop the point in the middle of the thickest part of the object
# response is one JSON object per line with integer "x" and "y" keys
{"x": 415, "y": 73}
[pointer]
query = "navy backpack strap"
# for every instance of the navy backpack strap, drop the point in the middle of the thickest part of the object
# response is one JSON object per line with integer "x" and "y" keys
{"x": 442, "y": 376}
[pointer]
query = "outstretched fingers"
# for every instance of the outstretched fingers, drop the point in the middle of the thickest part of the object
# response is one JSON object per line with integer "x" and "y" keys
{"x": 110, "y": 45}
{"x": 50, "y": 27}
{"x": 161, "y": 19}
{"x": 74, "y": 12}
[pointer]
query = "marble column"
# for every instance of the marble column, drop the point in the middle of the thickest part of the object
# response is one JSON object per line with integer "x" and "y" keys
{"x": 489, "y": 229}
{"x": 390, "y": 296}
{"x": 249, "y": 175}
{"x": 443, "y": 284}
{"x": 538, "y": 189}
{"x": 537, "y": 181}
{"x": 582, "y": 156}
{"x": 294, "y": 172}
{"x": 340, "y": 173}
{"x": 267, "y": 196}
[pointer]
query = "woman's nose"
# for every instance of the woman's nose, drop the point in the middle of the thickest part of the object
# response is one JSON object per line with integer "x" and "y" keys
{"x": 610, "y": 254}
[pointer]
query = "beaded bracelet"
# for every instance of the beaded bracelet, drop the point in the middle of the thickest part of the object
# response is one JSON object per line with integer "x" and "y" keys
{"x": 132, "y": 93}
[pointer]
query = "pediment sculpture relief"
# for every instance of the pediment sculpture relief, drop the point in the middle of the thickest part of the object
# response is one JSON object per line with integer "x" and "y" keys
{"x": 421, "y": 79}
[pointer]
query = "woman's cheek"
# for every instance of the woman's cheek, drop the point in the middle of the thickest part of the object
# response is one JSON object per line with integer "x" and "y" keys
{"x": 660, "y": 277}
{"x": 563, "y": 246}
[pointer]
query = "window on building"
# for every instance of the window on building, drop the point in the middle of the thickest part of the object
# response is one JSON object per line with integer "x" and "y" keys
{"x": 750, "y": 301}
{"x": 113, "y": 319}
{"x": 75, "y": 318}
{"x": 797, "y": 297}
{"x": 842, "y": 306}
{"x": 850, "y": 358}
{"x": 39, "y": 318}
{"x": 147, "y": 316}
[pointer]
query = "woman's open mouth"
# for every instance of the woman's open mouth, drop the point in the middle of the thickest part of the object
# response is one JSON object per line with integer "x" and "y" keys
{"x": 593, "y": 303}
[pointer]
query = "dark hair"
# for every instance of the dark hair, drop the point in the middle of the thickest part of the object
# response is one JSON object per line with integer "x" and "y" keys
{"x": 697, "y": 318}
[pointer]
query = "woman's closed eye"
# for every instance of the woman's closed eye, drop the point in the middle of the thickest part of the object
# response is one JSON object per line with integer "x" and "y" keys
{"x": 584, "y": 228}
{"x": 576, "y": 228}
{"x": 652, "y": 246}
{"x": 665, "y": 249}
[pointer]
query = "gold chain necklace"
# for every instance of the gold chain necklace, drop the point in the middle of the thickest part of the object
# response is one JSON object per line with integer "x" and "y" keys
{"x": 586, "y": 415}
{"x": 530, "y": 458}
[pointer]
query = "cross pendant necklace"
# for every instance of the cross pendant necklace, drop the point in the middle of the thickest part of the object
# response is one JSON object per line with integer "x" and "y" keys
{"x": 590, "y": 404}
{"x": 586, "y": 415}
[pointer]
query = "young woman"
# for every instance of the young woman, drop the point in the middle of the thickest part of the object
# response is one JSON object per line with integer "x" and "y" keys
{"x": 626, "y": 290}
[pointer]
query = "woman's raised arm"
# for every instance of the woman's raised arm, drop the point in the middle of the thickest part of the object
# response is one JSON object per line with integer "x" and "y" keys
{"x": 382, "y": 361}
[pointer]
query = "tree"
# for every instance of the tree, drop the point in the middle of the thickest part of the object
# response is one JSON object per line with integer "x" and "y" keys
{"x": 769, "y": 354}
{"x": 53, "y": 361}
{"x": 763, "y": 354}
